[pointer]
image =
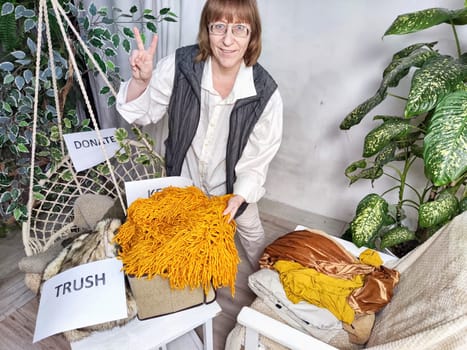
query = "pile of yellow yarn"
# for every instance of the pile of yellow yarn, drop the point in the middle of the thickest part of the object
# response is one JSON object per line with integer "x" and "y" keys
{"x": 180, "y": 234}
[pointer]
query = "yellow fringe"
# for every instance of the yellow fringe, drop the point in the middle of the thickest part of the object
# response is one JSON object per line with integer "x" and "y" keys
{"x": 180, "y": 234}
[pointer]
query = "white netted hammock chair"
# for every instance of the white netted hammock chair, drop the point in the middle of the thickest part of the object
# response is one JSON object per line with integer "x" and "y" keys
{"x": 50, "y": 218}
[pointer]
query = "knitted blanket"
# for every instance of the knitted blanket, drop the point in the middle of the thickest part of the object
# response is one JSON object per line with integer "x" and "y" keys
{"x": 429, "y": 309}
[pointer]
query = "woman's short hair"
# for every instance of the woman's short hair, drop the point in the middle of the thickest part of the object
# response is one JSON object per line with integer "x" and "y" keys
{"x": 240, "y": 11}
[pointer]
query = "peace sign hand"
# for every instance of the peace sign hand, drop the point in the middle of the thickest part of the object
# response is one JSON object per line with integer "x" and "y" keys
{"x": 141, "y": 60}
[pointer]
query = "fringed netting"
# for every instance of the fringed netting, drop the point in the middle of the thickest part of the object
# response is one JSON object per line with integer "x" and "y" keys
{"x": 51, "y": 217}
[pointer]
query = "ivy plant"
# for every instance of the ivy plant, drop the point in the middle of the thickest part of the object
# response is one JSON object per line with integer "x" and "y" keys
{"x": 103, "y": 30}
{"x": 432, "y": 127}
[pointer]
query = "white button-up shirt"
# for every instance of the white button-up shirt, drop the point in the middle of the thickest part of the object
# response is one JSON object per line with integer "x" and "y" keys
{"x": 205, "y": 160}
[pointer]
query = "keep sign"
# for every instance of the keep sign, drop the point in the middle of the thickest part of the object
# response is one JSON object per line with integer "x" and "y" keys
{"x": 146, "y": 188}
{"x": 85, "y": 148}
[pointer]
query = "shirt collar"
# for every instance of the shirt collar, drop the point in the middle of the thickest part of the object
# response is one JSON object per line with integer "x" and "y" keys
{"x": 244, "y": 85}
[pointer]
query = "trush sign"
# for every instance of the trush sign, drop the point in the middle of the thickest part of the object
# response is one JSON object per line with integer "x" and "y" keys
{"x": 83, "y": 296}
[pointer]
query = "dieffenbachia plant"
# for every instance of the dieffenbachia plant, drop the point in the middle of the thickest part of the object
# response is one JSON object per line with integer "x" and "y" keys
{"x": 432, "y": 127}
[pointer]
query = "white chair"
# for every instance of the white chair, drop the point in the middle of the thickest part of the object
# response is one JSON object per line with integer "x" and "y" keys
{"x": 174, "y": 331}
{"x": 257, "y": 323}
{"x": 428, "y": 309}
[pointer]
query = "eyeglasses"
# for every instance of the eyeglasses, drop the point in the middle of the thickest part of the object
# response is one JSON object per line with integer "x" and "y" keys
{"x": 219, "y": 28}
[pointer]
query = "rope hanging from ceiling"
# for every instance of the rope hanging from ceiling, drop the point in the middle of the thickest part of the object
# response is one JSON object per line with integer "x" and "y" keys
{"x": 51, "y": 217}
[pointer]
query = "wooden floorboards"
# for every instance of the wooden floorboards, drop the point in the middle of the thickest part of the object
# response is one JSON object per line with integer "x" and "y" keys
{"x": 18, "y": 306}
{"x": 13, "y": 292}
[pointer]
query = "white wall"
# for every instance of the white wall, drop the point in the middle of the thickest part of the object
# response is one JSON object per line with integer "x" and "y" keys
{"x": 327, "y": 56}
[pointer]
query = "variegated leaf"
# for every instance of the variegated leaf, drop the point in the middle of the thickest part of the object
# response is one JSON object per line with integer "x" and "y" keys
{"x": 412, "y": 48}
{"x": 371, "y": 213}
{"x": 459, "y": 17}
{"x": 419, "y": 20}
{"x": 354, "y": 117}
{"x": 398, "y": 68}
{"x": 386, "y": 118}
{"x": 432, "y": 82}
{"x": 372, "y": 173}
{"x": 383, "y": 135}
{"x": 359, "y": 164}
{"x": 438, "y": 211}
{"x": 416, "y": 54}
{"x": 445, "y": 144}
{"x": 368, "y": 173}
{"x": 397, "y": 235}
{"x": 386, "y": 155}
{"x": 395, "y": 72}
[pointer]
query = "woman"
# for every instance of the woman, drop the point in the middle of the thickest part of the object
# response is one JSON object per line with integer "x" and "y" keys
{"x": 224, "y": 110}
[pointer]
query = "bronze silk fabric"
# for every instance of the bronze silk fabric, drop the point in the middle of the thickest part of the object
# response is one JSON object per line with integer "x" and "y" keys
{"x": 317, "y": 251}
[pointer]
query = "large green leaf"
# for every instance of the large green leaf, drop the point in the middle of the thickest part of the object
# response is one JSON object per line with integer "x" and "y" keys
{"x": 397, "y": 235}
{"x": 407, "y": 51}
{"x": 395, "y": 71}
{"x": 420, "y": 20}
{"x": 386, "y": 155}
{"x": 383, "y": 135}
{"x": 459, "y": 17}
{"x": 371, "y": 173}
{"x": 437, "y": 77}
{"x": 412, "y": 51}
{"x": 357, "y": 114}
{"x": 445, "y": 144}
{"x": 359, "y": 164}
{"x": 438, "y": 211}
{"x": 370, "y": 216}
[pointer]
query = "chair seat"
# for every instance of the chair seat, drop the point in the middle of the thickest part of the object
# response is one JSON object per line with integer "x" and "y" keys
{"x": 155, "y": 332}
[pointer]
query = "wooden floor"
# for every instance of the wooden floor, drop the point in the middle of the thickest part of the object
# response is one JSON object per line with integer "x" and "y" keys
{"x": 18, "y": 306}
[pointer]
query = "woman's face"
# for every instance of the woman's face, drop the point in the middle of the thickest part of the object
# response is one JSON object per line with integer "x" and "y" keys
{"x": 228, "y": 42}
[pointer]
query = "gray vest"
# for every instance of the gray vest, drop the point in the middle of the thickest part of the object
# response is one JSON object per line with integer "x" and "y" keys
{"x": 184, "y": 113}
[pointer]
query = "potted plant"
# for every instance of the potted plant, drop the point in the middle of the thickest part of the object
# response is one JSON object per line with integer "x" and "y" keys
{"x": 103, "y": 30}
{"x": 432, "y": 127}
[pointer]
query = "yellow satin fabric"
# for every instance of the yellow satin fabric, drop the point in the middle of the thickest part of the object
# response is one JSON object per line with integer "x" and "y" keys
{"x": 314, "y": 250}
{"x": 301, "y": 283}
{"x": 371, "y": 257}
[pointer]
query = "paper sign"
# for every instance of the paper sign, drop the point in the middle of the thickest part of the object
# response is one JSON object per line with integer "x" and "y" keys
{"x": 82, "y": 296}
{"x": 145, "y": 188}
{"x": 85, "y": 147}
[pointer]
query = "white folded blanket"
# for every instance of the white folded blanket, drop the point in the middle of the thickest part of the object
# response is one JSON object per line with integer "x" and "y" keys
{"x": 312, "y": 319}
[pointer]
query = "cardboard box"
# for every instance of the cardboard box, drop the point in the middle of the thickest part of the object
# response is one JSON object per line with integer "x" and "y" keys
{"x": 155, "y": 297}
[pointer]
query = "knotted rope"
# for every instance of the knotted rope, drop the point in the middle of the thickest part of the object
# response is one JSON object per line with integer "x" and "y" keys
{"x": 43, "y": 18}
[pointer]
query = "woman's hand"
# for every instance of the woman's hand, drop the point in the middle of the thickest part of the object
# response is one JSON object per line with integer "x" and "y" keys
{"x": 141, "y": 64}
{"x": 232, "y": 206}
{"x": 141, "y": 59}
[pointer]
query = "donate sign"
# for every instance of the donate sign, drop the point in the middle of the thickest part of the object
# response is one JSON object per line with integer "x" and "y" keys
{"x": 85, "y": 148}
{"x": 83, "y": 296}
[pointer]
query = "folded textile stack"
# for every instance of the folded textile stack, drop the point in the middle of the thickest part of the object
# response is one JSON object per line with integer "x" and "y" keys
{"x": 316, "y": 269}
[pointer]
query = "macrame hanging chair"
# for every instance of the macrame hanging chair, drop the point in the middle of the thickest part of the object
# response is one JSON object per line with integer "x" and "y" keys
{"x": 50, "y": 218}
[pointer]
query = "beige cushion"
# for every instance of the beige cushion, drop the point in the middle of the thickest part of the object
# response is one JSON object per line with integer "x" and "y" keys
{"x": 89, "y": 209}
{"x": 429, "y": 307}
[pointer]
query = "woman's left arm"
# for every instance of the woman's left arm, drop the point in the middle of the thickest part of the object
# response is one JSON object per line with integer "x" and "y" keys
{"x": 262, "y": 146}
